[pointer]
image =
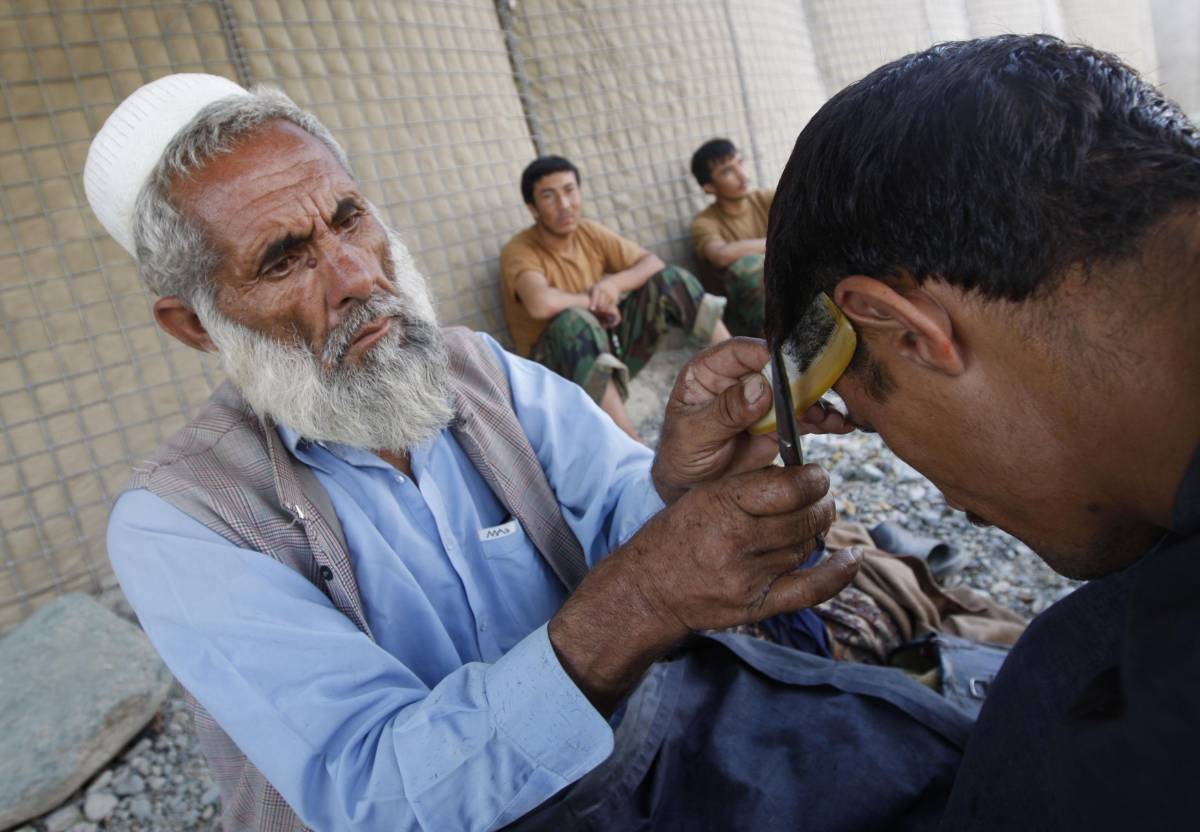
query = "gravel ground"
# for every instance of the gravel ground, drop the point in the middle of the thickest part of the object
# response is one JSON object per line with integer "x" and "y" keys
{"x": 161, "y": 782}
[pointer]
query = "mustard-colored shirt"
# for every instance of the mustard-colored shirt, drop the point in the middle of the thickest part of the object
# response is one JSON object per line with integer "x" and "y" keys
{"x": 596, "y": 251}
{"x": 713, "y": 223}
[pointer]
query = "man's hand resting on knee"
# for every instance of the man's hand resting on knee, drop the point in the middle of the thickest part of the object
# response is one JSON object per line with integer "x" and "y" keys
{"x": 723, "y": 552}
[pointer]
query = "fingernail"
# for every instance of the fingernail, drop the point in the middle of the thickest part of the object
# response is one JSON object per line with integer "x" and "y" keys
{"x": 753, "y": 388}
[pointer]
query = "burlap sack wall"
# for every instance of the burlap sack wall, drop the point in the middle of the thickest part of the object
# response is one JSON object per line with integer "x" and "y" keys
{"x": 421, "y": 95}
{"x": 627, "y": 91}
{"x": 781, "y": 79}
{"x": 1176, "y": 26}
{"x": 425, "y": 97}
{"x": 87, "y": 382}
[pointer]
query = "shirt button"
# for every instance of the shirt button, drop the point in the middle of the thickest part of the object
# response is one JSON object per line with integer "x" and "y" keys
{"x": 399, "y": 478}
{"x": 326, "y": 573}
{"x": 482, "y": 626}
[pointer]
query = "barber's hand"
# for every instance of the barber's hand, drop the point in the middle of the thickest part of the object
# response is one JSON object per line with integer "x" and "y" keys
{"x": 724, "y": 554}
{"x": 719, "y": 393}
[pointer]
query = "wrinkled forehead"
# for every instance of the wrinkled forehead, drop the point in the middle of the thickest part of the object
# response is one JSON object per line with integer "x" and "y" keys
{"x": 268, "y": 160}
{"x": 275, "y": 175}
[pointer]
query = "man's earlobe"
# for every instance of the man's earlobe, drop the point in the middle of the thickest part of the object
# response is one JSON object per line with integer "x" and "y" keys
{"x": 907, "y": 322}
{"x": 181, "y": 322}
{"x": 709, "y": 188}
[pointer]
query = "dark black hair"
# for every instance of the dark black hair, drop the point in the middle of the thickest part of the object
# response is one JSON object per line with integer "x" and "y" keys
{"x": 544, "y": 166}
{"x": 707, "y": 155}
{"x": 992, "y": 164}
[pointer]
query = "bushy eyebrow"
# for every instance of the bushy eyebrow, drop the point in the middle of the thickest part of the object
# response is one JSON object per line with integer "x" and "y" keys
{"x": 281, "y": 247}
{"x": 286, "y": 244}
{"x": 345, "y": 207}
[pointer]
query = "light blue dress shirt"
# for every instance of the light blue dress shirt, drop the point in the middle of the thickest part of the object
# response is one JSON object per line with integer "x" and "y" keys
{"x": 460, "y": 715}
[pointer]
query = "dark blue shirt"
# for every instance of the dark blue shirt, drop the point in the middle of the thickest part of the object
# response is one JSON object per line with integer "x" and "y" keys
{"x": 1094, "y": 721}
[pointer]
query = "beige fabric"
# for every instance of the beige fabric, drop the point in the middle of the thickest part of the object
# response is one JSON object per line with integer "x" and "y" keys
{"x": 1177, "y": 47}
{"x": 597, "y": 251}
{"x": 998, "y": 17}
{"x": 87, "y": 382}
{"x": 893, "y": 600}
{"x": 628, "y": 90}
{"x": 1118, "y": 26}
{"x": 421, "y": 95}
{"x": 715, "y": 224}
{"x": 853, "y": 37}
{"x": 781, "y": 82}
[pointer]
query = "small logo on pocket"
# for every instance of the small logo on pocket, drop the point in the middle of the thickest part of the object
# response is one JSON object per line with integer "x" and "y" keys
{"x": 497, "y": 532}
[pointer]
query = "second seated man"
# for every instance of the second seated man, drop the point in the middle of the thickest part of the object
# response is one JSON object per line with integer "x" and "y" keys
{"x": 588, "y": 303}
{"x": 729, "y": 236}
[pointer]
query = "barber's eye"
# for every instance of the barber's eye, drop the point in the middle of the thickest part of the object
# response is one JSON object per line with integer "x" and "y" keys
{"x": 350, "y": 221}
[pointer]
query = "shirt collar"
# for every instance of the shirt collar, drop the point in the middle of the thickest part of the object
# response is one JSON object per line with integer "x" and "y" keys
{"x": 303, "y": 450}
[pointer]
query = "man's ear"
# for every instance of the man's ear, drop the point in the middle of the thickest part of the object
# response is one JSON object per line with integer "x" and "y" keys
{"x": 181, "y": 322}
{"x": 532, "y": 210}
{"x": 908, "y": 322}
{"x": 709, "y": 188}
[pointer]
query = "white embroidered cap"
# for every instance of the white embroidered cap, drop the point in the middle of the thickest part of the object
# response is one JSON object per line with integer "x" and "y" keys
{"x": 132, "y": 140}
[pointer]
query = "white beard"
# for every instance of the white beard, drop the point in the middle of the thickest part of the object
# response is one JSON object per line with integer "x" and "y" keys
{"x": 395, "y": 400}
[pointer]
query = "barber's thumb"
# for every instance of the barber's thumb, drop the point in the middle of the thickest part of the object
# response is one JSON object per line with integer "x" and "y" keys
{"x": 741, "y": 405}
{"x": 827, "y": 578}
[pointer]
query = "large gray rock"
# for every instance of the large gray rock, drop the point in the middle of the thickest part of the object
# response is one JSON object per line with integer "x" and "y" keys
{"x": 77, "y": 684}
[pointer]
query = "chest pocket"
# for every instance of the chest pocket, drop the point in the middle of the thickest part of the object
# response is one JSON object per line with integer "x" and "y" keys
{"x": 503, "y": 540}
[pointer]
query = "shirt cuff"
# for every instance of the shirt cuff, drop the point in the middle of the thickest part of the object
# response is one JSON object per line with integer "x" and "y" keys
{"x": 541, "y": 710}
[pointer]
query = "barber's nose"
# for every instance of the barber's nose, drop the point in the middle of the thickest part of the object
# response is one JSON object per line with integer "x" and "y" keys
{"x": 347, "y": 272}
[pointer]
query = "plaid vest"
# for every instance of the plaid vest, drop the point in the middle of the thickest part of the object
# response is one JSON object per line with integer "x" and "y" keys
{"x": 230, "y": 471}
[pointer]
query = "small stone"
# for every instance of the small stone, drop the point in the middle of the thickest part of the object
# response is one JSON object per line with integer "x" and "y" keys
{"x": 933, "y": 518}
{"x": 62, "y": 819}
{"x": 139, "y": 807}
{"x": 208, "y": 812}
{"x": 211, "y": 796}
{"x": 870, "y": 472}
{"x": 102, "y": 781}
{"x": 141, "y": 765}
{"x": 129, "y": 784}
{"x": 189, "y": 818}
{"x": 143, "y": 745}
{"x": 156, "y": 770}
{"x": 1001, "y": 586}
{"x": 84, "y": 826}
{"x": 99, "y": 805}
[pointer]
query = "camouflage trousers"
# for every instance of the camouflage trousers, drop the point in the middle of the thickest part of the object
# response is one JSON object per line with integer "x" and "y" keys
{"x": 577, "y": 346}
{"x": 742, "y": 281}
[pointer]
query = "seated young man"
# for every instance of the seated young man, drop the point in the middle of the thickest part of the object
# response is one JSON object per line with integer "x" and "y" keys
{"x": 588, "y": 303}
{"x": 729, "y": 236}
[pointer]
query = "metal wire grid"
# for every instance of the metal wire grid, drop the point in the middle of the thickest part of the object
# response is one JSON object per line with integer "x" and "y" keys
{"x": 628, "y": 91}
{"x": 422, "y": 95}
{"x": 86, "y": 380}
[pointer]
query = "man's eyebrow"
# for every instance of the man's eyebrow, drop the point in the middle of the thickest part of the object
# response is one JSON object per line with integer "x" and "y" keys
{"x": 346, "y": 206}
{"x": 280, "y": 247}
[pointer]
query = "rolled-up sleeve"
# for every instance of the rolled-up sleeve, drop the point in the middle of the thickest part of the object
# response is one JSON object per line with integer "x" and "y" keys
{"x": 346, "y": 732}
